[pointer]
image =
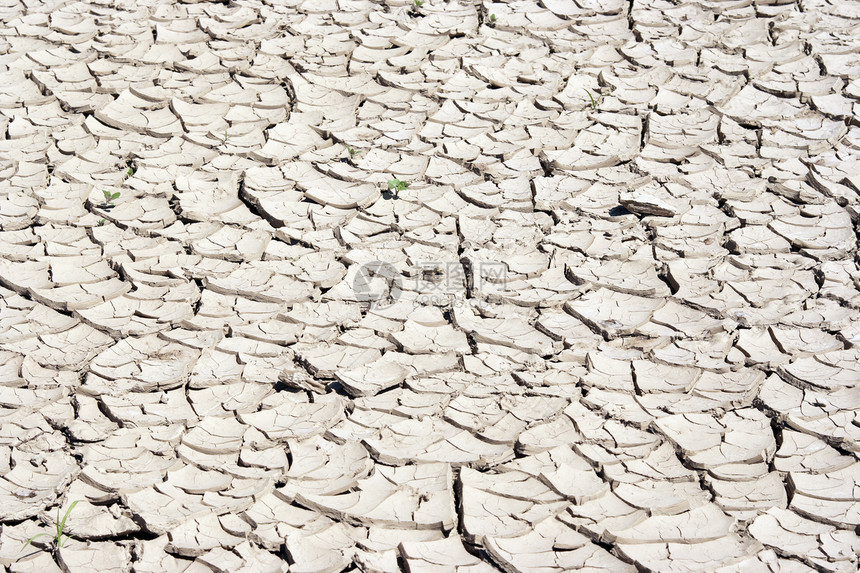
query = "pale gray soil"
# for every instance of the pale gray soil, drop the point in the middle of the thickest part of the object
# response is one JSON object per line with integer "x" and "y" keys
{"x": 608, "y": 337}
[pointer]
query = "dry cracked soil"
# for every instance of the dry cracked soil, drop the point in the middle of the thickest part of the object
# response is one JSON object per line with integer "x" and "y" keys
{"x": 608, "y": 323}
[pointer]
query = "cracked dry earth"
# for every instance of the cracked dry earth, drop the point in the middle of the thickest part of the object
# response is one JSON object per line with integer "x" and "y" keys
{"x": 616, "y": 338}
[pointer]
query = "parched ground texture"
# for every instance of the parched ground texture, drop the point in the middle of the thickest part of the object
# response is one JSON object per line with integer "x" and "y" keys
{"x": 607, "y": 336}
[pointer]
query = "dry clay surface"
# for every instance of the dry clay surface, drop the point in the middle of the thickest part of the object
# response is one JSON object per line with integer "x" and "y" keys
{"x": 608, "y": 337}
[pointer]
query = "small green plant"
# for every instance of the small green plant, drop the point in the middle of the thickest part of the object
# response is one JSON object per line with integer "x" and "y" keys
{"x": 60, "y": 525}
{"x": 492, "y": 18}
{"x": 418, "y": 3}
{"x": 101, "y": 222}
{"x": 397, "y": 185}
{"x": 594, "y": 102}
{"x": 110, "y": 197}
{"x": 353, "y": 153}
{"x": 130, "y": 172}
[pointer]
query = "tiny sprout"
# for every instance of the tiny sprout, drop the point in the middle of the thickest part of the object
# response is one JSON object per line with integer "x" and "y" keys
{"x": 493, "y": 18}
{"x": 397, "y": 185}
{"x": 110, "y": 197}
{"x": 101, "y": 222}
{"x": 352, "y": 151}
{"x": 594, "y": 103}
{"x": 60, "y": 525}
{"x": 418, "y": 3}
{"x": 130, "y": 172}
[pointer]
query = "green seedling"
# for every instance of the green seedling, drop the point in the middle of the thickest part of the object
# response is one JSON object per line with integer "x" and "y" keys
{"x": 594, "y": 102}
{"x": 352, "y": 152}
{"x": 101, "y": 222}
{"x": 492, "y": 18}
{"x": 418, "y": 3}
{"x": 60, "y": 525}
{"x": 130, "y": 172}
{"x": 397, "y": 185}
{"x": 110, "y": 197}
